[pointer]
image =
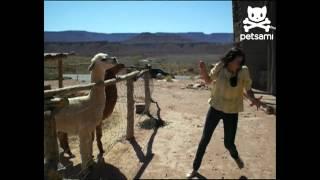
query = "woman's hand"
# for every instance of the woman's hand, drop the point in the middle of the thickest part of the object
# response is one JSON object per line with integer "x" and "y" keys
{"x": 202, "y": 66}
{"x": 256, "y": 102}
{"x": 203, "y": 72}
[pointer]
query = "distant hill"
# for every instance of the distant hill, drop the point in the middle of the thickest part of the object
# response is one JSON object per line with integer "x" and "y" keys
{"x": 158, "y": 38}
{"x": 133, "y": 49}
{"x": 211, "y": 38}
{"x": 84, "y": 36}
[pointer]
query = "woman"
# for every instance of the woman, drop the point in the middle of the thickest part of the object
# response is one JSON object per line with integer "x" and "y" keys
{"x": 230, "y": 79}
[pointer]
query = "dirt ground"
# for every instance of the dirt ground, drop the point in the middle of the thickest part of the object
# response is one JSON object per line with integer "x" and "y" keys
{"x": 168, "y": 152}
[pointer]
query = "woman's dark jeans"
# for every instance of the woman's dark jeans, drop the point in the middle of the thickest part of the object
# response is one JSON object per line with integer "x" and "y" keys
{"x": 230, "y": 123}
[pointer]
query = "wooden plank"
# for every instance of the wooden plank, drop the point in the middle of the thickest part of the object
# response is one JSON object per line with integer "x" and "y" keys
{"x": 54, "y": 103}
{"x": 56, "y": 56}
{"x": 70, "y": 89}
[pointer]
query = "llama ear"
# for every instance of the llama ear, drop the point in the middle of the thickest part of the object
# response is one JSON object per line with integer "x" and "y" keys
{"x": 91, "y": 66}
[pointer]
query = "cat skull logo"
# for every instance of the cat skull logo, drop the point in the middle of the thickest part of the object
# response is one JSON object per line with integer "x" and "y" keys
{"x": 257, "y": 18}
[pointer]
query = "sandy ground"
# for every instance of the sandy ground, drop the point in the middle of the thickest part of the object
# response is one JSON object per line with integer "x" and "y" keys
{"x": 168, "y": 152}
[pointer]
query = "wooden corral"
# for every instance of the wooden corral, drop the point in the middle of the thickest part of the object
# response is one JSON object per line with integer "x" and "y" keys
{"x": 53, "y": 103}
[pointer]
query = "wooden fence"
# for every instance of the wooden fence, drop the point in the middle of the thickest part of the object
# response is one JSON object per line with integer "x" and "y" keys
{"x": 54, "y": 99}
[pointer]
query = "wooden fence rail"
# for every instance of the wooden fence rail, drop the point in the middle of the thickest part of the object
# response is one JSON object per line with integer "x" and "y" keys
{"x": 70, "y": 89}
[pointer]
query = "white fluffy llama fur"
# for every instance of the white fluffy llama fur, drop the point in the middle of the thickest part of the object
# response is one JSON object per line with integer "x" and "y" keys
{"x": 84, "y": 113}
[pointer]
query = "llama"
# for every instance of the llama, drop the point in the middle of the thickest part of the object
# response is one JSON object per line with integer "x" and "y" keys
{"x": 111, "y": 99}
{"x": 84, "y": 113}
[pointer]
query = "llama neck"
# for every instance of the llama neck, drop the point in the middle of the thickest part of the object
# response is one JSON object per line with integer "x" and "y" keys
{"x": 111, "y": 96}
{"x": 112, "y": 87}
{"x": 97, "y": 93}
{"x": 111, "y": 90}
{"x": 97, "y": 74}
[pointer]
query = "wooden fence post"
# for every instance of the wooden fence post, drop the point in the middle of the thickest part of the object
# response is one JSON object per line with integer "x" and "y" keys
{"x": 51, "y": 151}
{"x": 147, "y": 98}
{"x": 60, "y": 73}
{"x": 130, "y": 109}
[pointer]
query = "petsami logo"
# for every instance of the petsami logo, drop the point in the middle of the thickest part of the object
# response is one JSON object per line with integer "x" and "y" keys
{"x": 257, "y": 18}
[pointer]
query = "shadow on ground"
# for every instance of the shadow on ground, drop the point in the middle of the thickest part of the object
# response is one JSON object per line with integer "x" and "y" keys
{"x": 100, "y": 171}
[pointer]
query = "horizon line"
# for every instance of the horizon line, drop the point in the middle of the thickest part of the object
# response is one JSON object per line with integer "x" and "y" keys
{"x": 136, "y": 32}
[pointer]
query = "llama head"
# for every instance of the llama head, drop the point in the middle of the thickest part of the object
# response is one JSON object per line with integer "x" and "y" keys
{"x": 116, "y": 68}
{"x": 257, "y": 14}
{"x": 103, "y": 61}
{"x": 111, "y": 73}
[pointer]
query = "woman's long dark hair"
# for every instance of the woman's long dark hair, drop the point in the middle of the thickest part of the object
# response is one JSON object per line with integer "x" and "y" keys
{"x": 229, "y": 57}
{"x": 232, "y": 54}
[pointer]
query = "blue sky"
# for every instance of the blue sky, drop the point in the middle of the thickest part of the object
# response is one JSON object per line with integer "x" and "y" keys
{"x": 139, "y": 16}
